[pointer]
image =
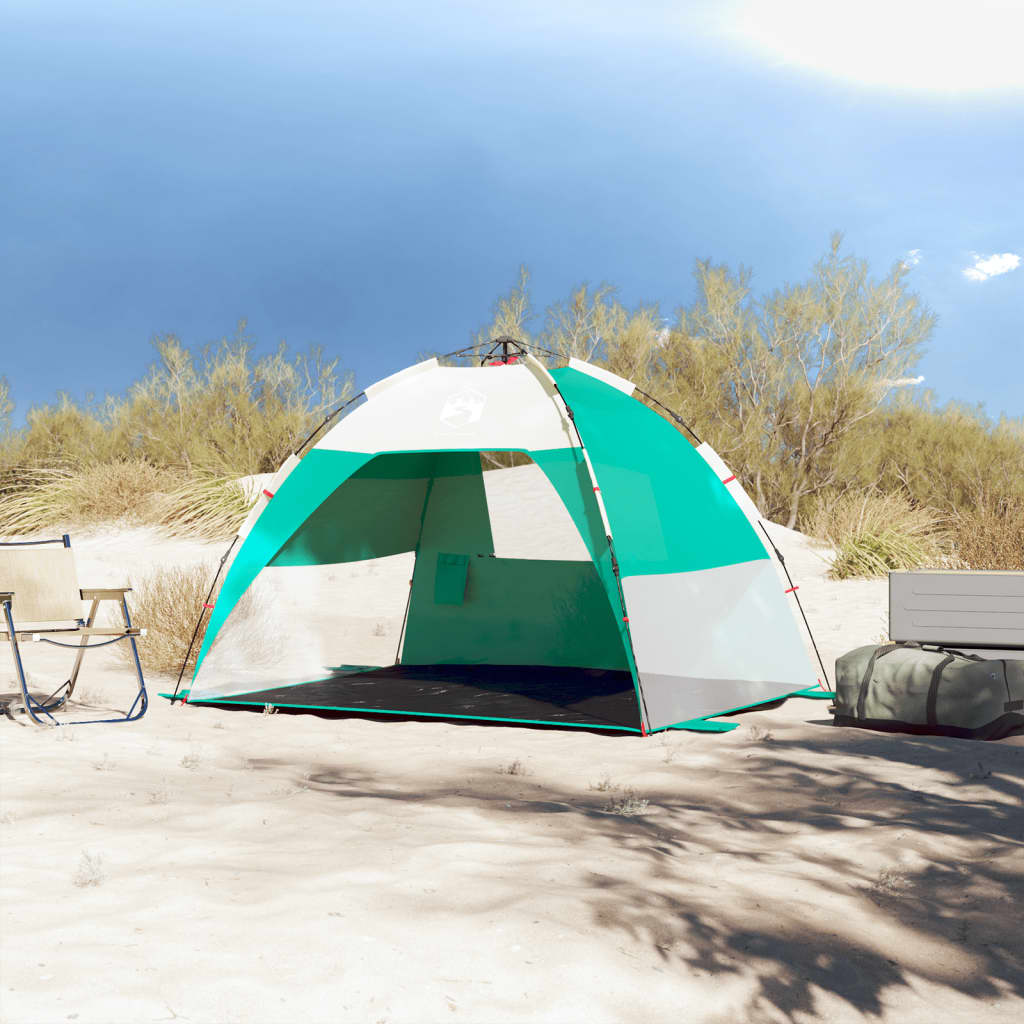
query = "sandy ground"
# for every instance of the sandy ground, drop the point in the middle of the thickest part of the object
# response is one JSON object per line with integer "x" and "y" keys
{"x": 214, "y": 866}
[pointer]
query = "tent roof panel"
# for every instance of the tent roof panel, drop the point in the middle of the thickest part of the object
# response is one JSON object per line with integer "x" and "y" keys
{"x": 453, "y": 408}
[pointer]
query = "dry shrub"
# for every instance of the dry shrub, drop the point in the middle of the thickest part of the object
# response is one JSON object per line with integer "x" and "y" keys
{"x": 992, "y": 537}
{"x": 167, "y": 603}
{"x": 874, "y": 533}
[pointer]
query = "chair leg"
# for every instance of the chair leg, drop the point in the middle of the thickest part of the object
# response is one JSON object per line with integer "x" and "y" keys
{"x": 90, "y": 621}
{"x": 28, "y": 702}
{"x": 142, "y": 699}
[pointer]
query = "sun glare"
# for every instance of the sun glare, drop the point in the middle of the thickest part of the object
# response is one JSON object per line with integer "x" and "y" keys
{"x": 933, "y": 45}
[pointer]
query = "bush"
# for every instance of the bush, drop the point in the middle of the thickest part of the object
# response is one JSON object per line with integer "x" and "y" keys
{"x": 167, "y": 603}
{"x": 171, "y": 451}
{"x": 874, "y": 533}
{"x": 992, "y": 537}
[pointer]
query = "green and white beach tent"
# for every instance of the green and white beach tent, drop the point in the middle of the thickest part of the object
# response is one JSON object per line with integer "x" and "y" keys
{"x": 667, "y": 611}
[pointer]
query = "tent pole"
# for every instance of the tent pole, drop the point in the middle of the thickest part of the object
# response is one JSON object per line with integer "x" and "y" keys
{"x": 416, "y": 558}
{"x": 541, "y": 371}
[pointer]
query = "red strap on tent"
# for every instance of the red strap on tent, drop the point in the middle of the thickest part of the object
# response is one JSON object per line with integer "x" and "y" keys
{"x": 269, "y": 494}
{"x": 625, "y": 618}
{"x": 791, "y": 589}
{"x": 729, "y": 479}
{"x": 206, "y": 604}
{"x": 596, "y": 489}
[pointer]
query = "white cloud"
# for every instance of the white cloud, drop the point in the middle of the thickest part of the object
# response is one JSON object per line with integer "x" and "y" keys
{"x": 912, "y": 258}
{"x": 916, "y": 45}
{"x": 985, "y": 267}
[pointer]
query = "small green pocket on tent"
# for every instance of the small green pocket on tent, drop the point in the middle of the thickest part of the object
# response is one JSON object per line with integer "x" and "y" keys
{"x": 450, "y": 580}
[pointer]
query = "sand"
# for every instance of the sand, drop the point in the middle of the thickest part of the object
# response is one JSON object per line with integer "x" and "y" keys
{"x": 214, "y": 866}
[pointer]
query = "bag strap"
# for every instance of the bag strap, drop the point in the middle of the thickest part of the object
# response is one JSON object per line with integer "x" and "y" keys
{"x": 933, "y": 689}
{"x": 878, "y": 652}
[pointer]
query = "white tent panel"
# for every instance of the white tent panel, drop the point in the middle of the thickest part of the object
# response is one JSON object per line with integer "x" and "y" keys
{"x": 627, "y": 387}
{"x": 713, "y": 639}
{"x": 452, "y": 408}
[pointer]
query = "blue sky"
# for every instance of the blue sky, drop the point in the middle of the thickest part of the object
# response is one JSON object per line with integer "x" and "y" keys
{"x": 369, "y": 177}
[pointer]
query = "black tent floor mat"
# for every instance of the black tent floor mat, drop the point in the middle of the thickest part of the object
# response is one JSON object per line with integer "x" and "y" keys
{"x": 592, "y": 698}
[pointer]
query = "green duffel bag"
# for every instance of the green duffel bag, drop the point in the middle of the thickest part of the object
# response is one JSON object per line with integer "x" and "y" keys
{"x": 927, "y": 689}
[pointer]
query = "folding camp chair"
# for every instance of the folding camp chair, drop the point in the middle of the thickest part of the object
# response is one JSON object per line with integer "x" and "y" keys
{"x": 40, "y": 599}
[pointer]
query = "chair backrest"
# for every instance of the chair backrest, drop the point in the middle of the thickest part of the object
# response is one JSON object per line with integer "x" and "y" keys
{"x": 44, "y": 582}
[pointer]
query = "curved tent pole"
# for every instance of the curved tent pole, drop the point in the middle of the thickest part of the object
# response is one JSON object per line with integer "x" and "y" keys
{"x": 793, "y": 590}
{"x": 541, "y": 371}
{"x": 202, "y": 612}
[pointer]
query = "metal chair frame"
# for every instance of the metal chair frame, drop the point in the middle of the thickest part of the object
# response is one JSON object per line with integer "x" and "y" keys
{"x": 41, "y": 712}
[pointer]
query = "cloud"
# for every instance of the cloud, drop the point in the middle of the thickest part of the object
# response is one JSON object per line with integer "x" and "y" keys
{"x": 913, "y": 45}
{"x": 985, "y": 267}
{"x": 912, "y": 258}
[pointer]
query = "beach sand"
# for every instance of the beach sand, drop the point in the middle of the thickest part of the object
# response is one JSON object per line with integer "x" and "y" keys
{"x": 206, "y": 865}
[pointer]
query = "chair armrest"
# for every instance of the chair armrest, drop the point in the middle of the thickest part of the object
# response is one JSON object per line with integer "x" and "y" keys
{"x": 104, "y": 593}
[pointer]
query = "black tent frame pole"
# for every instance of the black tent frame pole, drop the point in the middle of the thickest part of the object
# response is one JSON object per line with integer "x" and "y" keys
{"x": 799, "y": 604}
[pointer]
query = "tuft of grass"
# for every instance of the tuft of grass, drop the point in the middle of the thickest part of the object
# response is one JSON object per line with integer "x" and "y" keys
{"x": 759, "y": 735}
{"x": 603, "y": 785}
{"x": 628, "y": 804}
{"x": 90, "y": 871}
{"x": 890, "y": 882}
{"x": 875, "y": 533}
{"x": 515, "y": 767}
{"x": 191, "y": 760}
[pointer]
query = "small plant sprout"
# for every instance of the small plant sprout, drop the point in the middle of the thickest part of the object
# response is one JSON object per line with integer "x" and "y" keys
{"x": 515, "y": 767}
{"x": 90, "y": 871}
{"x": 760, "y": 735}
{"x": 269, "y": 709}
{"x": 628, "y": 804}
{"x": 603, "y": 785}
{"x": 190, "y": 760}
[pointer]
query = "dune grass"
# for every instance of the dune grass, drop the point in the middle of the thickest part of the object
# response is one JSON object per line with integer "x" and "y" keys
{"x": 210, "y": 507}
{"x": 875, "y": 533}
{"x": 56, "y": 498}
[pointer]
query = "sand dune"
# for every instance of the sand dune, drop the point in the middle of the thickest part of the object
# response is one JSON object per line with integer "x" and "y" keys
{"x": 213, "y": 866}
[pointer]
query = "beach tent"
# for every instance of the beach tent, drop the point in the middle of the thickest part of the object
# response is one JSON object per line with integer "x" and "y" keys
{"x": 668, "y": 610}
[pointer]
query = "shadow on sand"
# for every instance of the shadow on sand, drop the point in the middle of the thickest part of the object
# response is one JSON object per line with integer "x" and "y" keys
{"x": 968, "y": 916}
